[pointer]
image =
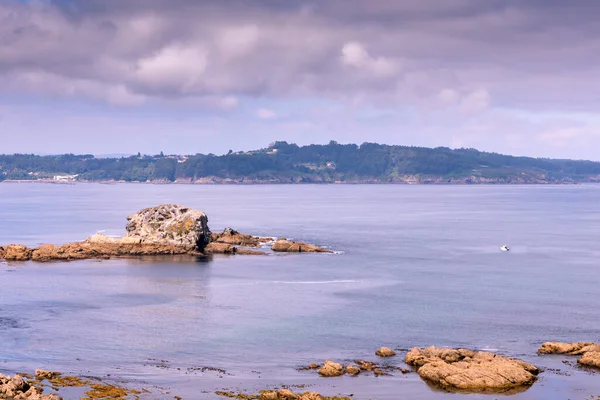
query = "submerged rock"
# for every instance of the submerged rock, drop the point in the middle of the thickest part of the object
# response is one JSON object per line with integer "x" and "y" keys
{"x": 466, "y": 370}
{"x": 288, "y": 246}
{"x": 170, "y": 224}
{"x": 589, "y": 351}
{"x": 385, "y": 352}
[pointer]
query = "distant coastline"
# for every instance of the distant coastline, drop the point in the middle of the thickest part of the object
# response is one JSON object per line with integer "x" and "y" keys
{"x": 285, "y": 163}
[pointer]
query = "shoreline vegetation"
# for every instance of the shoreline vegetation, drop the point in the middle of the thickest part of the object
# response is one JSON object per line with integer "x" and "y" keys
{"x": 447, "y": 369}
{"x": 285, "y": 163}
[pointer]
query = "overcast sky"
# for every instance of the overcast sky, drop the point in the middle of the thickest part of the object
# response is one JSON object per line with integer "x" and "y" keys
{"x": 188, "y": 76}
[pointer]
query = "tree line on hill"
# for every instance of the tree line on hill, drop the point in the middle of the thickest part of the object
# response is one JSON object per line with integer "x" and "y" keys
{"x": 285, "y": 162}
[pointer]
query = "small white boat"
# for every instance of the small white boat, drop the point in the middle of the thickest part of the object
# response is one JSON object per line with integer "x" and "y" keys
{"x": 505, "y": 248}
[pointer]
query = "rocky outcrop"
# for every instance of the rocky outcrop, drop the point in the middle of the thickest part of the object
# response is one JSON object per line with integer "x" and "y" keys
{"x": 281, "y": 394}
{"x": 288, "y": 246}
{"x": 233, "y": 237}
{"x": 572, "y": 349}
{"x": 352, "y": 370}
{"x": 17, "y": 252}
{"x": 17, "y": 388}
{"x": 590, "y": 359}
{"x": 167, "y": 229}
{"x": 170, "y": 224}
{"x": 41, "y": 374}
{"x": 330, "y": 369}
{"x": 589, "y": 351}
{"x": 385, "y": 352}
{"x": 469, "y": 371}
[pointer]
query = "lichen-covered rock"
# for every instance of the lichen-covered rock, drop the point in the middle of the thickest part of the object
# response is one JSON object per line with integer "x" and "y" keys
{"x": 330, "y": 369}
{"x": 464, "y": 370}
{"x": 170, "y": 224}
{"x": 385, "y": 352}
{"x": 590, "y": 359}
{"x": 287, "y": 246}
{"x": 573, "y": 349}
{"x": 17, "y": 252}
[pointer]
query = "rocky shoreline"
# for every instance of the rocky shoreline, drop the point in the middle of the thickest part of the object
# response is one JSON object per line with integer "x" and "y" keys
{"x": 167, "y": 229}
{"x": 447, "y": 369}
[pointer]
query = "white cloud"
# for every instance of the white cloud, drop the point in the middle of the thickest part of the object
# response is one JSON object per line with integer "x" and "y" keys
{"x": 175, "y": 67}
{"x": 475, "y": 102}
{"x": 264, "y": 113}
{"x": 355, "y": 55}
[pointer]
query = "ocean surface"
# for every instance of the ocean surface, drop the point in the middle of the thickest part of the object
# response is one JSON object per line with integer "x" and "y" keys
{"x": 417, "y": 266}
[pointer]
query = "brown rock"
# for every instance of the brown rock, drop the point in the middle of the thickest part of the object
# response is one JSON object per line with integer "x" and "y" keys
{"x": 45, "y": 252}
{"x": 286, "y": 394}
{"x": 41, "y": 374}
{"x": 286, "y": 246}
{"x": 219, "y": 248}
{"x": 385, "y": 352}
{"x": 230, "y": 236}
{"x": 17, "y": 252}
{"x": 269, "y": 395}
{"x": 366, "y": 365}
{"x": 352, "y": 370}
{"x": 249, "y": 252}
{"x": 590, "y": 359}
{"x": 464, "y": 370}
{"x": 573, "y": 349}
{"x": 330, "y": 369}
{"x": 1, "y": 252}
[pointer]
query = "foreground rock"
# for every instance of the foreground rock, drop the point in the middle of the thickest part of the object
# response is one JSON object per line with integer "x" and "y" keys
{"x": 287, "y": 246}
{"x": 385, "y": 352}
{"x": 170, "y": 224}
{"x": 17, "y": 388}
{"x": 333, "y": 369}
{"x": 589, "y": 351}
{"x": 281, "y": 394}
{"x": 330, "y": 369}
{"x": 469, "y": 371}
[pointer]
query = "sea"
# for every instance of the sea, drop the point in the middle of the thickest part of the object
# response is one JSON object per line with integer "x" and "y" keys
{"x": 413, "y": 265}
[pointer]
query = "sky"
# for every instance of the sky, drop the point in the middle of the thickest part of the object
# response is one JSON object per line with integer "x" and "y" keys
{"x": 206, "y": 76}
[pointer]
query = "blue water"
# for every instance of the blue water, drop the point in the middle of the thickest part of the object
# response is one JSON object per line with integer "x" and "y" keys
{"x": 419, "y": 266}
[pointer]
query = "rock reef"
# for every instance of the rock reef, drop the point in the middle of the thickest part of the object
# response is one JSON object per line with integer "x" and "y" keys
{"x": 17, "y": 388}
{"x": 469, "y": 371}
{"x": 284, "y": 245}
{"x": 167, "y": 229}
{"x": 281, "y": 394}
{"x": 589, "y": 351}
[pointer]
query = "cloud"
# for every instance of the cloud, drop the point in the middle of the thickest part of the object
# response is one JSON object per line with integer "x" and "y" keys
{"x": 355, "y": 55}
{"x": 263, "y": 113}
{"x": 530, "y": 54}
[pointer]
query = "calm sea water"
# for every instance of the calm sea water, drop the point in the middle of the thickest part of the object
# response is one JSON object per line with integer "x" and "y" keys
{"x": 419, "y": 266}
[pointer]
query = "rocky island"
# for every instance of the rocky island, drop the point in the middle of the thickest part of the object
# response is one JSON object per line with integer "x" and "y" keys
{"x": 167, "y": 229}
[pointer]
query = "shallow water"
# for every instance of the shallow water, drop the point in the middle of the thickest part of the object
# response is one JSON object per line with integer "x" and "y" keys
{"x": 420, "y": 266}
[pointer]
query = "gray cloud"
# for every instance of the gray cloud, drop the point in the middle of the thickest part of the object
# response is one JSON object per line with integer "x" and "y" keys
{"x": 463, "y": 53}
